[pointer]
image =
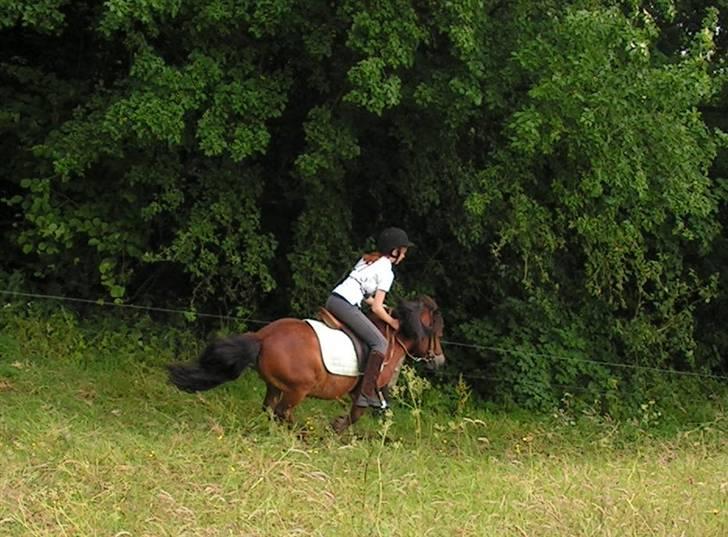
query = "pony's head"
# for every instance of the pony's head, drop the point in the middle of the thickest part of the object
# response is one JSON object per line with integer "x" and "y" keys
{"x": 422, "y": 325}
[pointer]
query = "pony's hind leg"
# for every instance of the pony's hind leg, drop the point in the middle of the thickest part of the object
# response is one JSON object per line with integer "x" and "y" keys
{"x": 272, "y": 396}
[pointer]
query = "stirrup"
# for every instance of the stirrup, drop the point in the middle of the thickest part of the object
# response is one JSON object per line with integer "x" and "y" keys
{"x": 378, "y": 402}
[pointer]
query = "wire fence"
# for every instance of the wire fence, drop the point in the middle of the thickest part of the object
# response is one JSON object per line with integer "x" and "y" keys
{"x": 473, "y": 346}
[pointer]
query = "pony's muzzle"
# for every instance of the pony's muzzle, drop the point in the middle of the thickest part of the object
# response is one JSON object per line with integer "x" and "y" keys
{"x": 435, "y": 362}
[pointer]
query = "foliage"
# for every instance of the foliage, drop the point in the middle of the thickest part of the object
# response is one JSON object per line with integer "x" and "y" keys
{"x": 560, "y": 165}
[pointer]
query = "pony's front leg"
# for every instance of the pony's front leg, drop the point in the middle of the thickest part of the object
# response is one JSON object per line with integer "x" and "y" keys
{"x": 342, "y": 422}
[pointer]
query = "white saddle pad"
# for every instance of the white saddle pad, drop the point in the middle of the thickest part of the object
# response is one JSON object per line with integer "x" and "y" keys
{"x": 337, "y": 350}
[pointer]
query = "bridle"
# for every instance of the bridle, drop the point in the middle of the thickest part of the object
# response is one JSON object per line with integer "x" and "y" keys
{"x": 430, "y": 356}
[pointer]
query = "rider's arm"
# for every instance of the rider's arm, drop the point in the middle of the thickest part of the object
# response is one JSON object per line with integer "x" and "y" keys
{"x": 377, "y": 304}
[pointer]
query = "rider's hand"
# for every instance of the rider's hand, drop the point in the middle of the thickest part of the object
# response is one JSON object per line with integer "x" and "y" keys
{"x": 395, "y": 324}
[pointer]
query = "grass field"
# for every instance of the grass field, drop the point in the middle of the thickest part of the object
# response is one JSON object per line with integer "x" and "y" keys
{"x": 93, "y": 441}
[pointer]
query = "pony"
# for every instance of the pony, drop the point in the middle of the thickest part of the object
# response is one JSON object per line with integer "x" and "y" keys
{"x": 287, "y": 356}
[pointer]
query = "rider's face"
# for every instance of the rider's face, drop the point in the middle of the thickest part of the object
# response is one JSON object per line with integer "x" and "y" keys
{"x": 399, "y": 254}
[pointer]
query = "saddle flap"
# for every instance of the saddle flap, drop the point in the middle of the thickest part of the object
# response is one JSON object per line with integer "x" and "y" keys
{"x": 340, "y": 354}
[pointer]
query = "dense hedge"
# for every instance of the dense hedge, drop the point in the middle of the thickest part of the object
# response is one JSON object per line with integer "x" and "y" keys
{"x": 558, "y": 163}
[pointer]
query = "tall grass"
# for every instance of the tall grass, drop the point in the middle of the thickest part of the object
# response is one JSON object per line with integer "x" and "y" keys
{"x": 93, "y": 441}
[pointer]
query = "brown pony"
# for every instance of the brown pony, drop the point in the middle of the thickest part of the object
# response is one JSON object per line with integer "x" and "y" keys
{"x": 287, "y": 357}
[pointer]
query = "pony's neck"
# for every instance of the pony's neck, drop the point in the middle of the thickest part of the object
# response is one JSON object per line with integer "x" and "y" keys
{"x": 383, "y": 327}
{"x": 392, "y": 335}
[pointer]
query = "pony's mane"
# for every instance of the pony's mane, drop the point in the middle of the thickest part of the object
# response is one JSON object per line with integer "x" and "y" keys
{"x": 408, "y": 312}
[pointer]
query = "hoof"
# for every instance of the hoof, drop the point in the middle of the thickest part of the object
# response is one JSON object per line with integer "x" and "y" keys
{"x": 340, "y": 424}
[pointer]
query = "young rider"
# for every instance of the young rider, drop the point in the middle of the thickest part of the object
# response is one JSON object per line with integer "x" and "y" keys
{"x": 370, "y": 281}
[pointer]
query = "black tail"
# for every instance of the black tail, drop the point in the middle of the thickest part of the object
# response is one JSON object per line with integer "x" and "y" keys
{"x": 222, "y": 361}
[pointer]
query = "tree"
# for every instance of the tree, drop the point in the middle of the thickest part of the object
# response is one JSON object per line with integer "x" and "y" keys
{"x": 552, "y": 162}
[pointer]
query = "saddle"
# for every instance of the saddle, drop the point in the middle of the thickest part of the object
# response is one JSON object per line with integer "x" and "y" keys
{"x": 331, "y": 321}
{"x": 361, "y": 348}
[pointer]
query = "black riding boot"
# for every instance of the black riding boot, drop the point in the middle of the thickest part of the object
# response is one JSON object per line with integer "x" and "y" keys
{"x": 369, "y": 394}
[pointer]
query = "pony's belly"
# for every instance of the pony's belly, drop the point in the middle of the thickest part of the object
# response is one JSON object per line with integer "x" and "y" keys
{"x": 334, "y": 387}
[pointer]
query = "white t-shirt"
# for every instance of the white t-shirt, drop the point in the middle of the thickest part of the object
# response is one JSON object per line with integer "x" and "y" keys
{"x": 365, "y": 280}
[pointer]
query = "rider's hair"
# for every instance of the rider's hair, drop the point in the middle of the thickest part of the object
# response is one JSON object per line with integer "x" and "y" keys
{"x": 371, "y": 257}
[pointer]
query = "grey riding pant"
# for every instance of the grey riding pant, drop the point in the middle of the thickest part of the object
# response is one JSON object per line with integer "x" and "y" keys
{"x": 355, "y": 319}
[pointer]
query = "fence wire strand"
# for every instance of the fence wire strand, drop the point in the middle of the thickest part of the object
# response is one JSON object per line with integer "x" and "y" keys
{"x": 584, "y": 360}
{"x": 104, "y": 303}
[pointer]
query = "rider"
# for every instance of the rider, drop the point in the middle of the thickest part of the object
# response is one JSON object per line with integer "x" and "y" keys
{"x": 369, "y": 281}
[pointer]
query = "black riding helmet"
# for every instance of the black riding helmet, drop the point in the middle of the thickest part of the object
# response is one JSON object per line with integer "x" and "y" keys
{"x": 391, "y": 238}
